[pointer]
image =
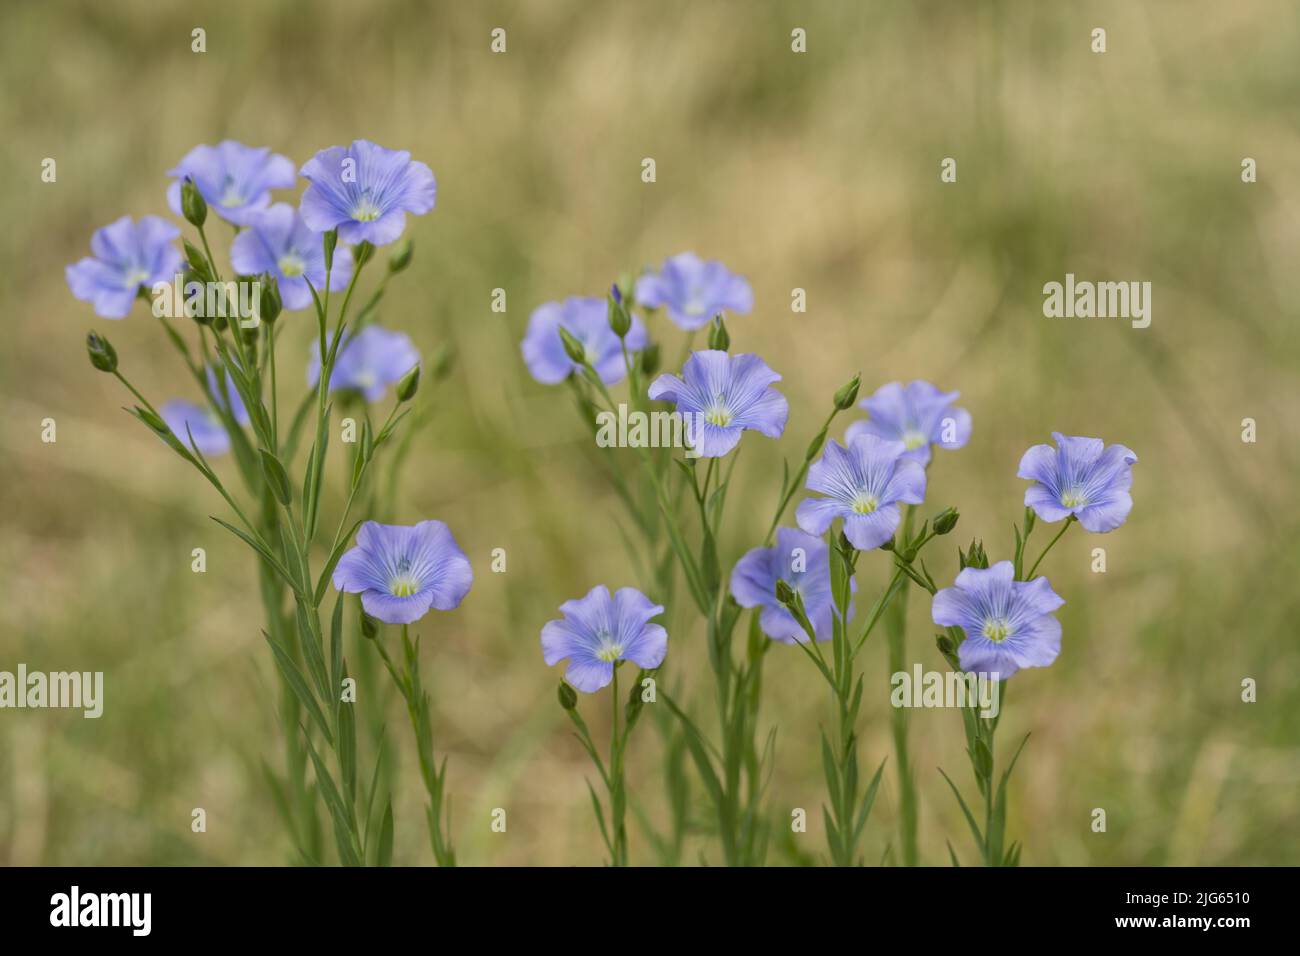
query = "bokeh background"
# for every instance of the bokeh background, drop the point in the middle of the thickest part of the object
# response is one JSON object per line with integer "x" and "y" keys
{"x": 818, "y": 171}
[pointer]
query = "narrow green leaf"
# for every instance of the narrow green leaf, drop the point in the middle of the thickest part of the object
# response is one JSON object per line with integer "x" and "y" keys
{"x": 276, "y": 477}
{"x": 385, "y": 855}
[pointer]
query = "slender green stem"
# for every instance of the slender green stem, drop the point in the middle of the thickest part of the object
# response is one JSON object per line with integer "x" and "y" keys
{"x": 1068, "y": 521}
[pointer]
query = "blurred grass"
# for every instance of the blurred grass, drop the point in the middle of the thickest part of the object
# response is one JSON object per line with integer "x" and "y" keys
{"x": 817, "y": 171}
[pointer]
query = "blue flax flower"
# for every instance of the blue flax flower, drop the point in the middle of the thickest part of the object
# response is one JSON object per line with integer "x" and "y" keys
{"x": 587, "y": 320}
{"x": 864, "y": 484}
{"x": 1008, "y": 624}
{"x": 917, "y": 414}
{"x": 365, "y": 191}
{"x": 803, "y": 562}
{"x": 694, "y": 291}
{"x": 279, "y": 243}
{"x": 599, "y": 630}
{"x": 368, "y": 362}
{"x": 401, "y": 571}
{"x": 235, "y": 180}
{"x": 127, "y": 256}
{"x": 721, "y": 395}
{"x": 187, "y": 418}
{"x": 1081, "y": 477}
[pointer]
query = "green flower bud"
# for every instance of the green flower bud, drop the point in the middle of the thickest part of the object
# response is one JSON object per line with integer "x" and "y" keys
{"x": 574, "y": 349}
{"x": 197, "y": 261}
{"x": 443, "y": 361}
{"x": 650, "y": 359}
{"x": 974, "y": 557}
{"x": 848, "y": 394}
{"x": 718, "y": 337}
{"x": 401, "y": 256}
{"x": 567, "y": 695}
{"x": 329, "y": 243}
{"x": 269, "y": 308}
{"x": 362, "y": 254}
{"x": 945, "y": 521}
{"x": 102, "y": 354}
{"x": 369, "y": 627}
{"x": 944, "y": 644}
{"x": 619, "y": 320}
{"x": 1030, "y": 518}
{"x": 193, "y": 207}
{"x": 784, "y": 593}
{"x": 409, "y": 384}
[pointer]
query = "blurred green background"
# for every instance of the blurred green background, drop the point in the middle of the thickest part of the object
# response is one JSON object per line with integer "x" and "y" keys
{"x": 818, "y": 171}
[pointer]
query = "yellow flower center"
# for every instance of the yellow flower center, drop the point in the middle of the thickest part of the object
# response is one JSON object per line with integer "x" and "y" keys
{"x": 914, "y": 439}
{"x": 291, "y": 265}
{"x": 865, "y": 504}
{"x": 365, "y": 210}
{"x": 997, "y": 629}
{"x": 403, "y": 586}
{"x": 1073, "y": 498}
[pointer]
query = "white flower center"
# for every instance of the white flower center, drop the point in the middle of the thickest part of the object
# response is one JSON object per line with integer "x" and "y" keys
{"x": 914, "y": 439}
{"x": 231, "y": 196}
{"x": 864, "y": 503}
{"x": 997, "y": 629}
{"x": 291, "y": 265}
{"x": 609, "y": 651}
{"x": 365, "y": 210}
{"x": 1073, "y": 498}
{"x": 718, "y": 413}
{"x": 403, "y": 585}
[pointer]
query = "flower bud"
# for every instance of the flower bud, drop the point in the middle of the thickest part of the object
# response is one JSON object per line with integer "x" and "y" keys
{"x": 369, "y": 629}
{"x": 330, "y": 242}
{"x": 269, "y": 308}
{"x": 401, "y": 256}
{"x": 848, "y": 394}
{"x": 718, "y": 337}
{"x": 193, "y": 207}
{"x": 197, "y": 261}
{"x": 102, "y": 354}
{"x": 784, "y": 593}
{"x": 567, "y": 695}
{"x": 409, "y": 384}
{"x": 945, "y": 521}
{"x": 574, "y": 349}
{"x": 1030, "y": 517}
{"x": 974, "y": 556}
{"x": 619, "y": 320}
{"x": 650, "y": 359}
{"x": 443, "y": 360}
{"x": 944, "y": 643}
{"x": 362, "y": 254}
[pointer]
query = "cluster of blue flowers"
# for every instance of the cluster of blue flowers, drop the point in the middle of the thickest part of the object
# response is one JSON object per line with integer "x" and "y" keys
{"x": 356, "y": 199}
{"x": 998, "y": 619}
{"x": 799, "y": 584}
